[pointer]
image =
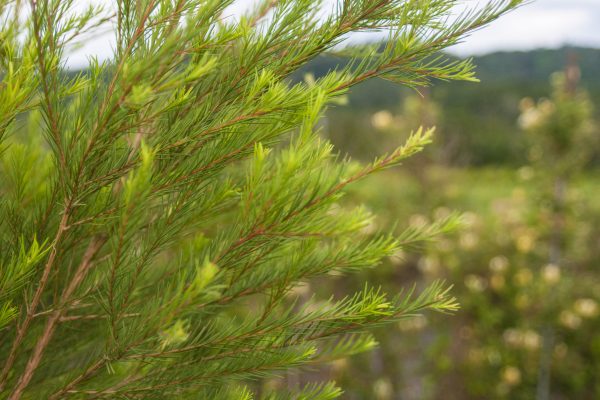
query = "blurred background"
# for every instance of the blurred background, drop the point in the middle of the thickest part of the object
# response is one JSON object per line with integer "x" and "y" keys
{"x": 518, "y": 155}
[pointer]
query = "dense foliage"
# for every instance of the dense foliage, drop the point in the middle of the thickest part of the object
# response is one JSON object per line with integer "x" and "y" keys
{"x": 158, "y": 209}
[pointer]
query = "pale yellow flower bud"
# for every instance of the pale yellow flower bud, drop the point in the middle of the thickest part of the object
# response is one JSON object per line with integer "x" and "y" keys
{"x": 499, "y": 264}
{"x": 570, "y": 319}
{"x": 551, "y": 274}
{"x": 382, "y": 119}
{"x": 587, "y": 308}
{"x": 511, "y": 376}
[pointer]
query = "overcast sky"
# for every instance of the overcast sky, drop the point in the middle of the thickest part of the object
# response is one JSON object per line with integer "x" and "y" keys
{"x": 542, "y": 23}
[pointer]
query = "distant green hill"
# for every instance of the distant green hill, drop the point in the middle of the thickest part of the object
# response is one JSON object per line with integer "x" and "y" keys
{"x": 479, "y": 119}
{"x": 522, "y": 70}
{"x": 537, "y": 65}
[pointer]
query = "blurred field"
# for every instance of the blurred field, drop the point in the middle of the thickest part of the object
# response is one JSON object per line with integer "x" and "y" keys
{"x": 525, "y": 264}
{"x": 497, "y": 263}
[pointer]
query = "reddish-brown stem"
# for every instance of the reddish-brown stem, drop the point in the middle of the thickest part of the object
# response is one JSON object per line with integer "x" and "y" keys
{"x": 38, "y": 351}
{"x": 32, "y": 307}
